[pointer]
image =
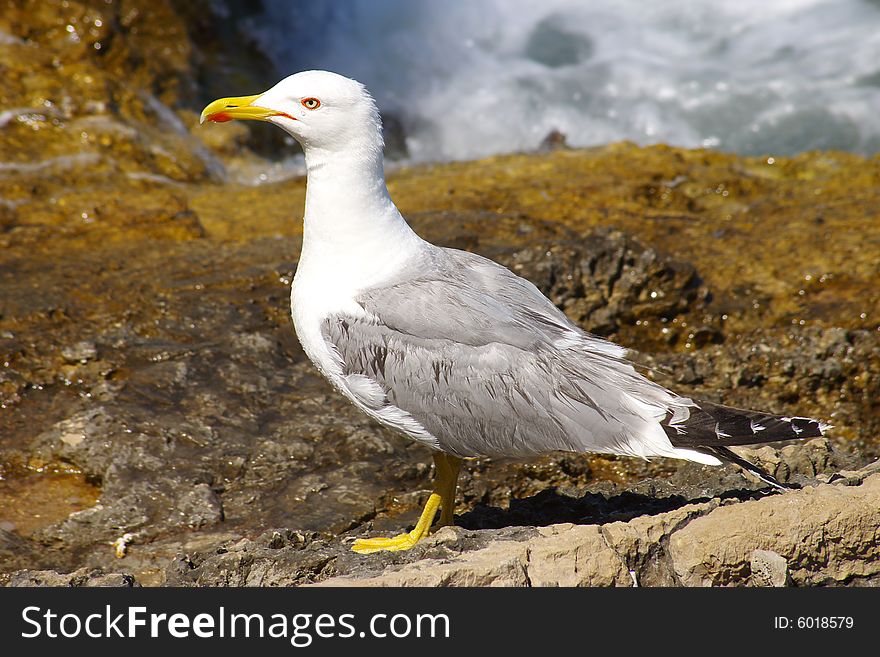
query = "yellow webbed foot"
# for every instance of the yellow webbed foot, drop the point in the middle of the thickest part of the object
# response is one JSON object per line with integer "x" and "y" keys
{"x": 393, "y": 544}
{"x": 403, "y": 541}
{"x": 443, "y": 495}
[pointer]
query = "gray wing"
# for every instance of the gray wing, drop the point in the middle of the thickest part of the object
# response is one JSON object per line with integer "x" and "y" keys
{"x": 488, "y": 366}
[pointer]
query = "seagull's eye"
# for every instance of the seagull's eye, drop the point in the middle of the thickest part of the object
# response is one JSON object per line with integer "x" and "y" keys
{"x": 311, "y": 103}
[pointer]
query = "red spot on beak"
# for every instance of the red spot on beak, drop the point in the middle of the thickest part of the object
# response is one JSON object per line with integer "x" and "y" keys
{"x": 219, "y": 117}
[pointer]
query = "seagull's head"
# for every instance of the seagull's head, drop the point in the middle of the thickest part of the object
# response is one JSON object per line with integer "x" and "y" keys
{"x": 321, "y": 110}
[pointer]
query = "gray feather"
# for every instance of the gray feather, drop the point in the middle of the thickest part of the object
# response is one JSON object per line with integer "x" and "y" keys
{"x": 488, "y": 366}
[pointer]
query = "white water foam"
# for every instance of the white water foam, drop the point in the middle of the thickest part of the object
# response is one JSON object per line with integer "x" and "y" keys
{"x": 470, "y": 78}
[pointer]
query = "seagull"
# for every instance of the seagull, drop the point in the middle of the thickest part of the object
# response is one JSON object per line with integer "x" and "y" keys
{"x": 450, "y": 348}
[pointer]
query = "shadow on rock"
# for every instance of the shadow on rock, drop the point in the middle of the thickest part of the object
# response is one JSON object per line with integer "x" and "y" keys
{"x": 550, "y": 507}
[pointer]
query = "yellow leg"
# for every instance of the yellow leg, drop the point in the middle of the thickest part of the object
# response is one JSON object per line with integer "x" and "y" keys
{"x": 443, "y": 496}
{"x": 446, "y": 487}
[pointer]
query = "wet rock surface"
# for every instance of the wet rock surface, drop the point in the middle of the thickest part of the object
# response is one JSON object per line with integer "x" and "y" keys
{"x": 649, "y": 536}
{"x": 82, "y": 577}
{"x": 160, "y": 423}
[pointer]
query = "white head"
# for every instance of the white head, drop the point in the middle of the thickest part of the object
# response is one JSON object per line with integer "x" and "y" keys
{"x": 325, "y": 112}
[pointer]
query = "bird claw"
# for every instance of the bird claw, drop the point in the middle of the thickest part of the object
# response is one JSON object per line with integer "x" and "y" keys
{"x": 393, "y": 544}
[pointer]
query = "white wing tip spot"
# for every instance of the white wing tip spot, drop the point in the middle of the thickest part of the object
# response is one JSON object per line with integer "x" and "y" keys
{"x": 719, "y": 432}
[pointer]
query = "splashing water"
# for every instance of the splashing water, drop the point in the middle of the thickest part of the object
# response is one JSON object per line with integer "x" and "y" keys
{"x": 473, "y": 78}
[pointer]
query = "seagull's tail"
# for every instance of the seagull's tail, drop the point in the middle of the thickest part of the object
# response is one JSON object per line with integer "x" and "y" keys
{"x": 728, "y": 455}
{"x": 712, "y": 428}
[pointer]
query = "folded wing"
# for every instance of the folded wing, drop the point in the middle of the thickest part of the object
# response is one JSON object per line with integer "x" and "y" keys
{"x": 481, "y": 360}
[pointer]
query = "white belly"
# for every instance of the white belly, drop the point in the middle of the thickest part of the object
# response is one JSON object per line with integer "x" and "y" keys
{"x": 312, "y": 302}
{"x": 329, "y": 278}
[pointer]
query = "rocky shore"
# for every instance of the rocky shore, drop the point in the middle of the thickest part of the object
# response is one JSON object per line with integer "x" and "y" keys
{"x": 160, "y": 425}
{"x": 823, "y": 534}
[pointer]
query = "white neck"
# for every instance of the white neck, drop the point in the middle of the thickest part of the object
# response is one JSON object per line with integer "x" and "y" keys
{"x": 351, "y": 226}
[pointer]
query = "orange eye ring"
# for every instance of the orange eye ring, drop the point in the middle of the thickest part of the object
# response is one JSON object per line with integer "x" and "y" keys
{"x": 311, "y": 103}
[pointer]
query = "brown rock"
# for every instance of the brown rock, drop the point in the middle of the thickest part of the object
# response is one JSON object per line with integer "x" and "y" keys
{"x": 83, "y": 577}
{"x": 560, "y": 555}
{"x": 820, "y": 535}
{"x": 769, "y": 568}
{"x": 827, "y": 534}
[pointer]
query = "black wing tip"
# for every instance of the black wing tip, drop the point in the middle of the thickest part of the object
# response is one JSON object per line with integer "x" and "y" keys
{"x": 713, "y": 425}
{"x": 728, "y": 455}
{"x": 806, "y": 427}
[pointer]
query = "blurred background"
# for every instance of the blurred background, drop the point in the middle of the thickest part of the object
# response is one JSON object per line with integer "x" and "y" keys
{"x": 461, "y": 80}
{"x": 469, "y": 79}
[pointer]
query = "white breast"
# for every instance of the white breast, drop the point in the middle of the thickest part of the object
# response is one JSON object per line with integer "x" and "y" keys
{"x": 340, "y": 259}
{"x": 354, "y": 239}
{"x": 313, "y": 299}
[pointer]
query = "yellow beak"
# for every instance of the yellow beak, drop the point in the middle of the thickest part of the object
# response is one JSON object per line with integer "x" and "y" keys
{"x": 226, "y": 109}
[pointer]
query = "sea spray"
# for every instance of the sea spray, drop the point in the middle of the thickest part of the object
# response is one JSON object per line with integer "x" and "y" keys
{"x": 473, "y": 78}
